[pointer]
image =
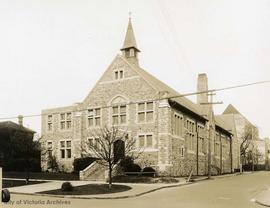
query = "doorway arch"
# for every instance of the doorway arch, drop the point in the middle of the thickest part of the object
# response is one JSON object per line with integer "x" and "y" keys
{"x": 118, "y": 150}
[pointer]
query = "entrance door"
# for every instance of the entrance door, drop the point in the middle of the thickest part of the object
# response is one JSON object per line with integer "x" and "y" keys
{"x": 118, "y": 150}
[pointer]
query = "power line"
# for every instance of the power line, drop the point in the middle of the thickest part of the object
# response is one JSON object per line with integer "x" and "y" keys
{"x": 177, "y": 47}
{"x": 151, "y": 100}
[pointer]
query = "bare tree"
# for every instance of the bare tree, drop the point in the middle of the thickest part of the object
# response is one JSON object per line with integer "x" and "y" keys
{"x": 48, "y": 157}
{"x": 246, "y": 147}
{"x": 109, "y": 145}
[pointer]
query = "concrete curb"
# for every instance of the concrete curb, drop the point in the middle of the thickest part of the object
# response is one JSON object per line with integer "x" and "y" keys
{"x": 112, "y": 197}
{"x": 132, "y": 195}
{"x": 260, "y": 198}
{"x": 261, "y": 203}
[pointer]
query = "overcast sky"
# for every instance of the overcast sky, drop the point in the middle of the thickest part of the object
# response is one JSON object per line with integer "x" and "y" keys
{"x": 52, "y": 52}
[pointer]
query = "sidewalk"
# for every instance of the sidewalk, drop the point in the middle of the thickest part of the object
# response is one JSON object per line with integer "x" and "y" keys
{"x": 136, "y": 189}
{"x": 263, "y": 198}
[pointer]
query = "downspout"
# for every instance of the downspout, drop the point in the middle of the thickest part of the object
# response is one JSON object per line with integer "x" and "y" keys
{"x": 197, "y": 152}
{"x": 220, "y": 141}
{"x": 231, "y": 154}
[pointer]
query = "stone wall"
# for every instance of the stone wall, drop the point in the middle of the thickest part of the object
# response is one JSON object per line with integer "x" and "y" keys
{"x": 56, "y": 135}
{"x": 164, "y": 156}
{"x": 132, "y": 89}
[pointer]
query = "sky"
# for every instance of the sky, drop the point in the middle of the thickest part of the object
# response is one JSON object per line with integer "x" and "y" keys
{"x": 52, "y": 52}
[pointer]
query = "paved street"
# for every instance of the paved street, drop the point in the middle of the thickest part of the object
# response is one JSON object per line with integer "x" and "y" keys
{"x": 237, "y": 191}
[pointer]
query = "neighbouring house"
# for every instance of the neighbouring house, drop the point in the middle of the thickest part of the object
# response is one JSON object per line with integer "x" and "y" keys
{"x": 267, "y": 153}
{"x": 260, "y": 151}
{"x": 238, "y": 125}
{"x": 172, "y": 130}
{"x": 14, "y": 140}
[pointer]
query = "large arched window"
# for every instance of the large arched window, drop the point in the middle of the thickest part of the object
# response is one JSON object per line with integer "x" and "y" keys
{"x": 119, "y": 111}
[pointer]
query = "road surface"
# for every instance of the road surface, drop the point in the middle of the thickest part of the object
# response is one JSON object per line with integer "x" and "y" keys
{"x": 235, "y": 191}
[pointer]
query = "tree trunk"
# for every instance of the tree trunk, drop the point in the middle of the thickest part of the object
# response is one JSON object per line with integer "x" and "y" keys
{"x": 27, "y": 171}
{"x": 110, "y": 176}
{"x": 252, "y": 163}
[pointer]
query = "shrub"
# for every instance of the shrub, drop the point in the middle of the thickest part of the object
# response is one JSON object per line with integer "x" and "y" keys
{"x": 82, "y": 163}
{"x": 35, "y": 165}
{"x": 128, "y": 165}
{"x": 67, "y": 187}
{"x": 19, "y": 164}
{"x": 52, "y": 164}
{"x": 135, "y": 168}
{"x": 148, "y": 171}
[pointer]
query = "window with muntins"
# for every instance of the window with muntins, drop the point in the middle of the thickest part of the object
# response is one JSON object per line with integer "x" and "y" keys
{"x": 65, "y": 149}
{"x": 49, "y": 122}
{"x": 225, "y": 143}
{"x": 94, "y": 143}
{"x": 201, "y": 139}
{"x": 217, "y": 145}
{"x": 146, "y": 140}
{"x": 190, "y": 134}
{"x": 94, "y": 117}
{"x": 49, "y": 148}
{"x": 145, "y": 112}
{"x": 178, "y": 125}
{"x": 119, "y": 114}
{"x": 65, "y": 121}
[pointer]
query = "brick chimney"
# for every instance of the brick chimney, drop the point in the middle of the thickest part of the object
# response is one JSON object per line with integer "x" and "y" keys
{"x": 202, "y": 85}
{"x": 20, "y": 120}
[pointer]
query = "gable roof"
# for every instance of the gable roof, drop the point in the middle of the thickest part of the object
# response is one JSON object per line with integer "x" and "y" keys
{"x": 161, "y": 87}
{"x": 231, "y": 110}
{"x": 9, "y": 125}
{"x": 226, "y": 122}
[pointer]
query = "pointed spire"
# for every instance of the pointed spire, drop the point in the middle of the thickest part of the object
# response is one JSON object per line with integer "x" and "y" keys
{"x": 130, "y": 41}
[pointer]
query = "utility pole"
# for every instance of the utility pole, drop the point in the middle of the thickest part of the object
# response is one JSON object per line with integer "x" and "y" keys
{"x": 210, "y": 127}
{"x": 252, "y": 150}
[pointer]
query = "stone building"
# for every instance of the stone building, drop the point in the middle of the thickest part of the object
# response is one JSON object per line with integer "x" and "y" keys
{"x": 267, "y": 153}
{"x": 171, "y": 129}
{"x": 260, "y": 151}
{"x": 238, "y": 124}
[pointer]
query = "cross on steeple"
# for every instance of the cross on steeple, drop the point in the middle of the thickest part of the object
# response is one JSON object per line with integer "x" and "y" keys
{"x": 130, "y": 49}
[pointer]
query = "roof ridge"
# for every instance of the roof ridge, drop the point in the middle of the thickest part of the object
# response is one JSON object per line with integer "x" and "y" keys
{"x": 161, "y": 86}
{"x": 15, "y": 125}
{"x": 134, "y": 68}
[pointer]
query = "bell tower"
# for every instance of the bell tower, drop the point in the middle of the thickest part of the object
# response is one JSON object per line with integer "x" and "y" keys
{"x": 130, "y": 50}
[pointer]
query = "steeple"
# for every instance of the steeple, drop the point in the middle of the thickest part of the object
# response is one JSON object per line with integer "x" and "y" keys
{"x": 130, "y": 49}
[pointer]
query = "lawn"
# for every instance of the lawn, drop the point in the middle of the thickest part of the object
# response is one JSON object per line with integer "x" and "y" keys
{"x": 43, "y": 176}
{"x": 14, "y": 183}
{"x": 91, "y": 189}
